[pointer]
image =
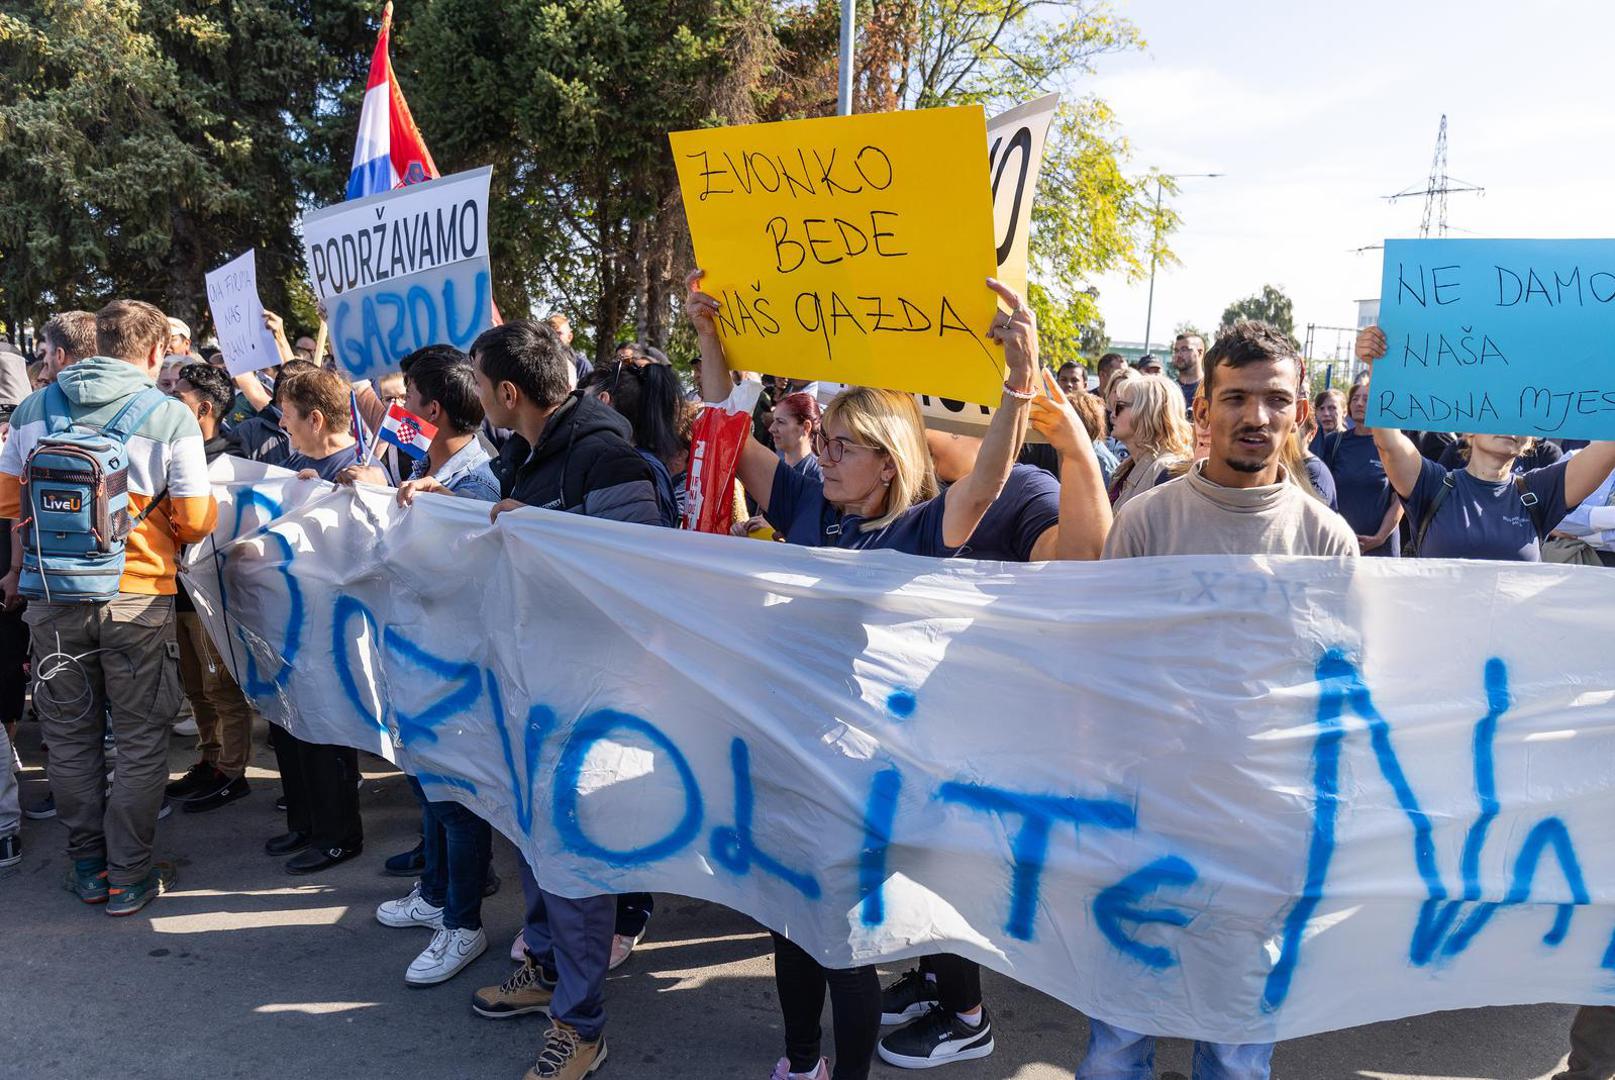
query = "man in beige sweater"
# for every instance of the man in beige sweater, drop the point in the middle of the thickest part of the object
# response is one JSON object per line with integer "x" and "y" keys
{"x": 1238, "y": 501}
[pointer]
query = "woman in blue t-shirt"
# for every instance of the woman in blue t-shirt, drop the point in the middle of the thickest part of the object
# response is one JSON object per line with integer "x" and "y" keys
{"x": 877, "y": 488}
{"x": 1484, "y": 510}
{"x": 1363, "y": 495}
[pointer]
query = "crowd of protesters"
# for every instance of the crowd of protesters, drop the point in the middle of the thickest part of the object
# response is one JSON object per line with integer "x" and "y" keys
{"x": 1229, "y": 454}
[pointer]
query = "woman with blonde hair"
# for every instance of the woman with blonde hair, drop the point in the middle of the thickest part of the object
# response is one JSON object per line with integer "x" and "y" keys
{"x": 875, "y": 487}
{"x": 1146, "y": 414}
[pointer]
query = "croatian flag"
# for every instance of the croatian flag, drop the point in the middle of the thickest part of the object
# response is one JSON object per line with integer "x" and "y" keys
{"x": 389, "y": 152}
{"x": 406, "y": 431}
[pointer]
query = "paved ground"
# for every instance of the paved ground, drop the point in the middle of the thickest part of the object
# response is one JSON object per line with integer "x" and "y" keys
{"x": 245, "y": 972}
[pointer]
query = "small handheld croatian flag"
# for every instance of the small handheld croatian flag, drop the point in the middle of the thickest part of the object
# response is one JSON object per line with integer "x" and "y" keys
{"x": 389, "y": 152}
{"x": 407, "y": 431}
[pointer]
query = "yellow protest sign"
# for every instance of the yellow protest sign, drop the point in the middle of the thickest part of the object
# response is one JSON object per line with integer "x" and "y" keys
{"x": 852, "y": 249}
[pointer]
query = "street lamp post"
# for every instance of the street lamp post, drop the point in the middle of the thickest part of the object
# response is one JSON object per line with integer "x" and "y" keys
{"x": 1155, "y": 243}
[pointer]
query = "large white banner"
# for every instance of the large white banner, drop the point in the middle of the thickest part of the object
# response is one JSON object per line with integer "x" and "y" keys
{"x": 1231, "y": 798}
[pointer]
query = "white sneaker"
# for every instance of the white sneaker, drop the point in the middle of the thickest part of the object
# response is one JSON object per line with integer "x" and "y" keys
{"x": 622, "y": 947}
{"x": 186, "y": 726}
{"x": 410, "y": 911}
{"x": 449, "y": 951}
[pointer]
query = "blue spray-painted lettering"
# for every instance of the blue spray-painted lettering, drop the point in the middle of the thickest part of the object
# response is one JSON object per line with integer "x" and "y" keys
{"x": 1121, "y": 904}
{"x": 461, "y": 337}
{"x": 735, "y": 849}
{"x": 254, "y": 683}
{"x": 569, "y": 772}
{"x": 879, "y": 815}
{"x": 1342, "y": 687}
{"x": 343, "y": 610}
{"x": 1038, "y": 813}
{"x": 418, "y": 727}
{"x": 540, "y": 719}
{"x": 1548, "y": 832}
{"x": 393, "y": 324}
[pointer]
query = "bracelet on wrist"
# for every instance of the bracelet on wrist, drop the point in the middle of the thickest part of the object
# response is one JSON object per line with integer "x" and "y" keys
{"x": 1019, "y": 395}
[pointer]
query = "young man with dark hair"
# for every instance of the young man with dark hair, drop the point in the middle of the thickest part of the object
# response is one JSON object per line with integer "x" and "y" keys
{"x": 456, "y": 845}
{"x": 1188, "y": 351}
{"x": 573, "y": 453}
{"x": 110, "y": 835}
{"x": 1237, "y": 501}
{"x": 321, "y": 781}
{"x": 223, "y": 717}
{"x": 1073, "y": 378}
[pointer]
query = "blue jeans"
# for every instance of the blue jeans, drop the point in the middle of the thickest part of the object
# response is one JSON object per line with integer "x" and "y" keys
{"x": 458, "y": 847}
{"x": 1118, "y": 1054}
{"x": 573, "y": 939}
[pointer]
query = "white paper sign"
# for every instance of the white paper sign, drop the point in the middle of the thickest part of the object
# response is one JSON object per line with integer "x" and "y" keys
{"x": 1237, "y": 799}
{"x": 1014, "y": 158}
{"x": 238, "y": 315}
{"x": 403, "y": 269}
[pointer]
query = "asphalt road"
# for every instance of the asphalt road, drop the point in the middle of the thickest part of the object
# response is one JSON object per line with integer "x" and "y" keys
{"x": 245, "y": 972}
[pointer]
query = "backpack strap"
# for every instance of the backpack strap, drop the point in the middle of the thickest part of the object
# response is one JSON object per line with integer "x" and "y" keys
{"x": 1533, "y": 506}
{"x": 58, "y": 410}
{"x": 134, "y": 413}
{"x": 1447, "y": 484}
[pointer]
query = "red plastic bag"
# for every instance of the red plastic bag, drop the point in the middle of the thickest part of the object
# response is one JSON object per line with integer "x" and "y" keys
{"x": 715, "y": 441}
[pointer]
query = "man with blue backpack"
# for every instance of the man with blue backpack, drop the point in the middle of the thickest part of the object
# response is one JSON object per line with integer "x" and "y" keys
{"x": 106, "y": 478}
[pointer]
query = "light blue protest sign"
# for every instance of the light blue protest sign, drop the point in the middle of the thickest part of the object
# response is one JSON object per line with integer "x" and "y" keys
{"x": 1507, "y": 337}
{"x": 402, "y": 270}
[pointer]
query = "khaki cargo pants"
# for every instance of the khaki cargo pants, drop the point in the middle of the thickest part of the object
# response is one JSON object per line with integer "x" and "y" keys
{"x": 116, "y": 659}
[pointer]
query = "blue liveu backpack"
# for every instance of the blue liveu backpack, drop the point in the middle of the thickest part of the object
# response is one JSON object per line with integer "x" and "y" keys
{"x": 75, "y": 487}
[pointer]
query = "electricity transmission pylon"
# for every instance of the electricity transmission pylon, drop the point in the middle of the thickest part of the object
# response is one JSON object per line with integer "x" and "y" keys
{"x": 1437, "y": 188}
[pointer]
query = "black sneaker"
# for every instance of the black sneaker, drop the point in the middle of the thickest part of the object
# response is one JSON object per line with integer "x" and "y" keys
{"x": 10, "y": 850}
{"x": 407, "y": 863}
{"x": 908, "y": 997}
{"x": 200, "y": 779}
{"x": 937, "y": 1038}
{"x": 234, "y": 788}
{"x": 280, "y": 804}
{"x": 39, "y": 811}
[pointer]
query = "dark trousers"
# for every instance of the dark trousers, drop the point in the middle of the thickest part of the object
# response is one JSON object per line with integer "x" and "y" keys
{"x": 854, "y": 1010}
{"x": 633, "y": 913}
{"x": 958, "y": 981}
{"x": 322, "y": 793}
{"x": 1592, "y": 1045}
{"x": 573, "y": 939}
{"x": 13, "y": 666}
{"x": 458, "y": 846}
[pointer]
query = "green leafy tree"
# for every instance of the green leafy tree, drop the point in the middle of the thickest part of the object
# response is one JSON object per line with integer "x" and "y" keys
{"x": 147, "y": 142}
{"x": 1090, "y": 216}
{"x": 1270, "y": 305}
{"x": 573, "y": 107}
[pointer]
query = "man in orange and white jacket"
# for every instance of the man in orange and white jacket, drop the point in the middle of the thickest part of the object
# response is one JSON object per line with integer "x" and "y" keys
{"x": 125, "y": 648}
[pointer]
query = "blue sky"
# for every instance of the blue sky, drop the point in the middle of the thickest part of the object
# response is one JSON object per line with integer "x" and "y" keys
{"x": 1316, "y": 110}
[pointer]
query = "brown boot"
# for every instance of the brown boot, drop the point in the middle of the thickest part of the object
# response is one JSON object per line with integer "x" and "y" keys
{"x": 524, "y": 992}
{"x": 566, "y": 1056}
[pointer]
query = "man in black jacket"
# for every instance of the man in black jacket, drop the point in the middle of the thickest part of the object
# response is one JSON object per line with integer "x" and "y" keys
{"x": 569, "y": 452}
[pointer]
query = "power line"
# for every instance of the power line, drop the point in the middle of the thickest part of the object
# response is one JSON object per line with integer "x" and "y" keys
{"x": 1437, "y": 188}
